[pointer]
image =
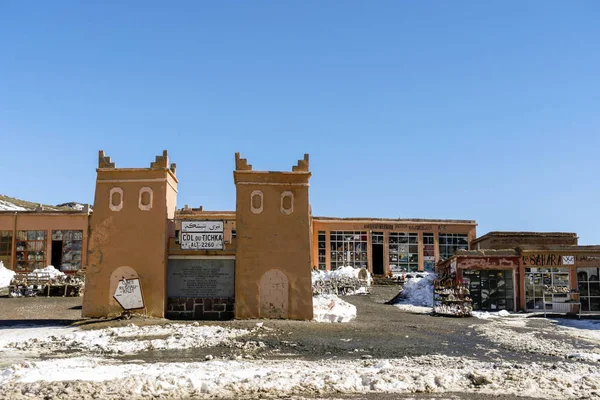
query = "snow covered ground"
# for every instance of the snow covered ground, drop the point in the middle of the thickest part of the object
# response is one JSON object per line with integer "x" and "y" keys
{"x": 89, "y": 364}
{"x": 108, "y": 379}
{"x": 544, "y": 336}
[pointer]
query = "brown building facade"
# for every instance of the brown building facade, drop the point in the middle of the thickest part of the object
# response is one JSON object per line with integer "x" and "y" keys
{"x": 387, "y": 246}
{"x": 32, "y": 240}
{"x": 254, "y": 262}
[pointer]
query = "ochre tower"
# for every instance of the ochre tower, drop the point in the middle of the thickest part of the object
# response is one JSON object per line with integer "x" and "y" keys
{"x": 129, "y": 232}
{"x": 273, "y": 259}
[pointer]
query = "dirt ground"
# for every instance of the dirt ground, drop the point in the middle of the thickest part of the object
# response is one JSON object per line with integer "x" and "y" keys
{"x": 379, "y": 331}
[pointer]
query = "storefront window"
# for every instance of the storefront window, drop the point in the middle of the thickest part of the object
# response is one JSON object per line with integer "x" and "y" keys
{"x": 6, "y": 248}
{"x": 537, "y": 278}
{"x": 31, "y": 250}
{"x": 588, "y": 280}
{"x": 66, "y": 250}
{"x": 490, "y": 290}
{"x": 348, "y": 249}
{"x": 404, "y": 252}
{"x": 322, "y": 251}
{"x": 428, "y": 252}
{"x": 451, "y": 242}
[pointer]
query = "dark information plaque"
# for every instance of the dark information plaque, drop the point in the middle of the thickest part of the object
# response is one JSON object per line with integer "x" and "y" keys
{"x": 201, "y": 278}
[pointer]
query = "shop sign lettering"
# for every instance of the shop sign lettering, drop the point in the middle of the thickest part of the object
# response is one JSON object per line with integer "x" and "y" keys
{"x": 587, "y": 261}
{"x": 543, "y": 260}
{"x": 398, "y": 227}
{"x": 202, "y": 226}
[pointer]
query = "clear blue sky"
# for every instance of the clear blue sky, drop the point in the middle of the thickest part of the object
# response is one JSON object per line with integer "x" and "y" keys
{"x": 472, "y": 110}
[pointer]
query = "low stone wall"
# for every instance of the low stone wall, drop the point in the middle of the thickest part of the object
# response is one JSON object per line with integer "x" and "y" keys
{"x": 200, "y": 308}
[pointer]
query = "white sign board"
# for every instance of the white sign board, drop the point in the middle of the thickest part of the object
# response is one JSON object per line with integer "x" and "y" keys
{"x": 202, "y": 226}
{"x": 568, "y": 260}
{"x": 201, "y": 235}
{"x": 201, "y": 241}
{"x": 129, "y": 294}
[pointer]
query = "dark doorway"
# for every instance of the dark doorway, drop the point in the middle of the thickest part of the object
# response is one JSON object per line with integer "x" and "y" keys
{"x": 377, "y": 253}
{"x": 57, "y": 253}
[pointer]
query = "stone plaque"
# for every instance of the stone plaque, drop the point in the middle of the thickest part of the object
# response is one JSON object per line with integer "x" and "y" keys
{"x": 205, "y": 278}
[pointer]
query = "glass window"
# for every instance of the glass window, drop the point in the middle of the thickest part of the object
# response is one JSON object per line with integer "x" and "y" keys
{"x": 6, "y": 248}
{"x": 451, "y": 242}
{"x": 588, "y": 280}
{"x": 322, "y": 244}
{"x": 348, "y": 249}
{"x": 31, "y": 250}
{"x": 403, "y": 252}
{"x": 536, "y": 279}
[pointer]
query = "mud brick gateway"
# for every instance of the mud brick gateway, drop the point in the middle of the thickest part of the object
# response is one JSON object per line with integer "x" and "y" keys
{"x": 256, "y": 261}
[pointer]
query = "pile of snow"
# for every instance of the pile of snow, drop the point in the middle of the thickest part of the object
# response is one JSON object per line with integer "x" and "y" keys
{"x": 330, "y": 308}
{"x": 8, "y": 206}
{"x": 488, "y": 315}
{"x": 417, "y": 291}
{"x": 127, "y": 340}
{"x": 75, "y": 378}
{"x": 50, "y": 270}
{"x": 6, "y": 275}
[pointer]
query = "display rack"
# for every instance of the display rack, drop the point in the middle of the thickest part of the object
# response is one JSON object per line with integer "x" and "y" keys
{"x": 451, "y": 298}
{"x": 561, "y": 299}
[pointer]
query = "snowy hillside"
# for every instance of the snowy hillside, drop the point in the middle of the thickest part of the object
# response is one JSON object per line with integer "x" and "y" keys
{"x": 13, "y": 204}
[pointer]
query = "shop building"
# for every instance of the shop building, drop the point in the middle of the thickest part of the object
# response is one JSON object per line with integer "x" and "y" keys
{"x": 33, "y": 239}
{"x": 387, "y": 246}
{"x": 523, "y": 270}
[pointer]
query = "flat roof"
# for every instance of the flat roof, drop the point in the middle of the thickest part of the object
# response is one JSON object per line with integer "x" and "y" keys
{"x": 525, "y": 234}
{"x": 396, "y": 220}
{"x": 488, "y": 253}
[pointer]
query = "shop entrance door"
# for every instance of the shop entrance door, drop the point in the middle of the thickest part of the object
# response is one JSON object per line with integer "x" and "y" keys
{"x": 377, "y": 253}
{"x": 491, "y": 290}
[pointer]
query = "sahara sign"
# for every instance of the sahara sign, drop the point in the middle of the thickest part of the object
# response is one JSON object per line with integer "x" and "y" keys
{"x": 547, "y": 260}
{"x": 201, "y": 235}
{"x": 129, "y": 294}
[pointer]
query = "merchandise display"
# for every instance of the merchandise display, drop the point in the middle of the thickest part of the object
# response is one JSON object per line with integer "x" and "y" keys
{"x": 451, "y": 298}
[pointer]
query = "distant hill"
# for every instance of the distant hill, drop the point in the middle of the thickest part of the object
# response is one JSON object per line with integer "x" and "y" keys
{"x": 12, "y": 204}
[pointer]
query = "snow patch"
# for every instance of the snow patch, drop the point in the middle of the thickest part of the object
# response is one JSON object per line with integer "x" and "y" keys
{"x": 488, "y": 315}
{"x": 414, "y": 309}
{"x": 330, "y": 308}
{"x": 126, "y": 340}
{"x": 585, "y": 329}
{"x": 8, "y": 206}
{"x": 50, "y": 270}
{"x": 6, "y": 275}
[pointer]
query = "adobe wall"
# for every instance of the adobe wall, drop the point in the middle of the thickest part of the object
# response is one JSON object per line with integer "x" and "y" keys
{"x": 129, "y": 232}
{"x": 273, "y": 261}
